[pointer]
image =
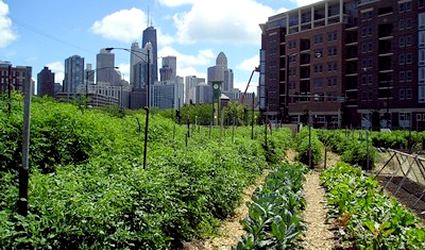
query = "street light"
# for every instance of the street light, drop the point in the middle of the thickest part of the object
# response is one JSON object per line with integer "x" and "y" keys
{"x": 91, "y": 73}
{"x": 147, "y": 107}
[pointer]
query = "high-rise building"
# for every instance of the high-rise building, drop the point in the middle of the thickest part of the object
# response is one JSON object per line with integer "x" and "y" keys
{"x": 149, "y": 36}
{"x": 105, "y": 68}
{"x": 203, "y": 93}
{"x": 46, "y": 82}
{"x": 169, "y": 68}
{"x": 345, "y": 62}
{"x": 74, "y": 74}
{"x": 220, "y": 72}
{"x": 136, "y": 56}
{"x": 190, "y": 83}
{"x": 168, "y": 94}
{"x": 15, "y": 78}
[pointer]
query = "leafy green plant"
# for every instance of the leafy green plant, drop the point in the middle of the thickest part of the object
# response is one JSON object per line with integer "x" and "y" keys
{"x": 307, "y": 140}
{"x": 367, "y": 218}
{"x": 274, "y": 220}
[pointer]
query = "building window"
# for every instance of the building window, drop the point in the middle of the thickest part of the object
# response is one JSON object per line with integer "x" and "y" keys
{"x": 409, "y": 58}
{"x": 401, "y": 94}
{"x": 421, "y": 94}
{"x": 408, "y": 40}
{"x": 292, "y": 44}
{"x": 401, "y": 59}
{"x": 318, "y": 39}
{"x": 401, "y": 76}
{"x": 421, "y": 39}
{"x": 318, "y": 68}
{"x": 405, "y": 7}
{"x": 421, "y": 21}
{"x": 421, "y": 76}
{"x": 332, "y": 82}
{"x": 332, "y": 36}
{"x": 401, "y": 24}
{"x": 401, "y": 42}
{"x": 408, "y": 93}
{"x": 408, "y": 75}
{"x": 332, "y": 51}
{"x": 408, "y": 23}
{"x": 421, "y": 57}
{"x": 421, "y": 3}
{"x": 318, "y": 83}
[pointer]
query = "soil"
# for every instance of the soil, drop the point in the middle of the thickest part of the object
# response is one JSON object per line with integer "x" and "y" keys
{"x": 318, "y": 233}
{"x": 231, "y": 230}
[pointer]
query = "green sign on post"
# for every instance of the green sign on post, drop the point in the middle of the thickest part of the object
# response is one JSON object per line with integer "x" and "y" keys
{"x": 216, "y": 86}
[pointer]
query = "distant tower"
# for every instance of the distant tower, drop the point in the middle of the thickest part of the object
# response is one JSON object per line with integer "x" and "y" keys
{"x": 134, "y": 61}
{"x": 105, "y": 72}
{"x": 220, "y": 72}
{"x": 46, "y": 82}
{"x": 169, "y": 68}
{"x": 190, "y": 83}
{"x": 149, "y": 35}
{"x": 74, "y": 74}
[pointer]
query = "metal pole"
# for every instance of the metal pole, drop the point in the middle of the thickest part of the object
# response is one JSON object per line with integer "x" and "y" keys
{"x": 24, "y": 171}
{"x": 9, "y": 88}
{"x": 147, "y": 107}
{"x": 309, "y": 142}
{"x": 252, "y": 116}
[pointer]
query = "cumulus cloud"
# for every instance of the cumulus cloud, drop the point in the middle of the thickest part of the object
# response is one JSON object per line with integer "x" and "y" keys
{"x": 249, "y": 64}
{"x": 124, "y": 69}
{"x": 222, "y": 21}
{"x": 204, "y": 57}
{"x": 123, "y": 25}
{"x": 305, "y": 2}
{"x": 59, "y": 69}
{"x": 175, "y": 3}
{"x": 6, "y": 33}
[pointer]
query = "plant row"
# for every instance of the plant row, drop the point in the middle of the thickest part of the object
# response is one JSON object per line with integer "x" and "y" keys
{"x": 366, "y": 218}
{"x": 274, "y": 220}
{"x": 309, "y": 146}
{"x": 355, "y": 150}
{"x": 88, "y": 189}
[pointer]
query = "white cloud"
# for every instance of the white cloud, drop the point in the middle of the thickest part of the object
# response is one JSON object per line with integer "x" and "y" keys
{"x": 6, "y": 33}
{"x": 164, "y": 39}
{"x": 222, "y": 21}
{"x": 191, "y": 71}
{"x": 204, "y": 57}
{"x": 57, "y": 68}
{"x": 175, "y": 3}
{"x": 124, "y": 68}
{"x": 305, "y": 2}
{"x": 123, "y": 25}
{"x": 249, "y": 64}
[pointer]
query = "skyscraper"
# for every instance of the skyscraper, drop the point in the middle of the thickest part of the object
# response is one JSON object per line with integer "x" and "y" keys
{"x": 105, "y": 71}
{"x": 46, "y": 82}
{"x": 169, "y": 68}
{"x": 149, "y": 36}
{"x": 220, "y": 72}
{"x": 74, "y": 74}
{"x": 190, "y": 92}
{"x": 135, "y": 60}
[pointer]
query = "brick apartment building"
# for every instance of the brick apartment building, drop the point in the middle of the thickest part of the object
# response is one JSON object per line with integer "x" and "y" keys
{"x": 340, "y": 63}
{"x": 14, "y": 78}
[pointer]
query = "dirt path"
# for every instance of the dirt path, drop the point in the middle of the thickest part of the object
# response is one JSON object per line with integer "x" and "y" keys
{"x": 317, "y": 235}
{"x": 231, "y": 230}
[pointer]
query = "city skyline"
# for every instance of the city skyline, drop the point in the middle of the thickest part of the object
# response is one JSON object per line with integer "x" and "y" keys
{"x": 39, "y": 35}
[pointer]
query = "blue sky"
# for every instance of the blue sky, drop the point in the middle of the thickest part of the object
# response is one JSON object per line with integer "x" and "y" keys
{"x": 45, "y": 33}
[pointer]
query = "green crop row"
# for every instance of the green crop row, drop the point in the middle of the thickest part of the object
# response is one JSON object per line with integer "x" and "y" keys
{"x": 354, "y": 149}
{"x": 366, "y": 218}
{"x": 307, "y": 140}
{"x": 274, "y": 220}
{"x": 88, "y": 189}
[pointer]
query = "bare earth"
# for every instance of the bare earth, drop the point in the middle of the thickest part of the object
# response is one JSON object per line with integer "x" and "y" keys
{"x": 317, "y": 235}
{"x": 231, "y": 230}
